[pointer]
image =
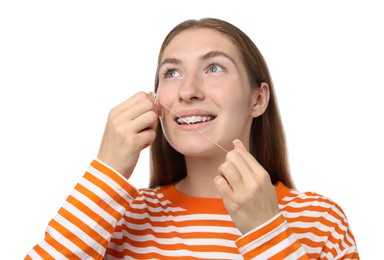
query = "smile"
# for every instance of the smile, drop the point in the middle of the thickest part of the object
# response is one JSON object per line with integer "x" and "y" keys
{"x": 190, "y": 120}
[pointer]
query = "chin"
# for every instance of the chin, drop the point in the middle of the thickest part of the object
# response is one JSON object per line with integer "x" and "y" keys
{"x": 196, "y": 149}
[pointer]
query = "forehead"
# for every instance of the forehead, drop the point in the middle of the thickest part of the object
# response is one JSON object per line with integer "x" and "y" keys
{"x": 198, "y": 41}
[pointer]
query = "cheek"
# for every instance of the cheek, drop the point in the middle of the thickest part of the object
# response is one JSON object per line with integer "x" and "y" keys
{"x": 237, "y": 103}
{"x": 165, "y": 95}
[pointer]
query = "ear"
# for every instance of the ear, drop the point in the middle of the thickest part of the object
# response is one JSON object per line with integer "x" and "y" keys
{"x": 260, "y": 100}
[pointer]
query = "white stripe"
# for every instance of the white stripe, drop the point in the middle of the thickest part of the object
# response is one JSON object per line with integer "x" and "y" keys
{"x": 87, "y": 220}
{"x": 126, "y": 257}
{"x": 320, "y": 226}
{"x": 315, "y": 214}
{"x": 311, "y": 250}
{"x": 188, "y": 229}
{"x": 310, "y": 236}
{"x": 114, "y": 185}
{"x": 67, "y": 243}
{"x": 328, "y": 255}
{"x": 102, "y": 195}
{"x": 95, "y": 207}
{"x": 264, "y": 238}
{"x": 304, "y": 195}
{"x": 80, "y": 234}
{"x": 152, "y": 200}
{"x": 308, "y": 213}
{"x": 278, "y": 248}
{"x": 150, "y": 192}
{"x": 51, "y": 250}
{"x": 305, "y": 204}
{"x": 111, "y": 183}
{"x": 156, "y": 209}
{"x": 182, "y": 218}
{"x": 177, "y": 240}
{"x": 181, "y": 253}
{"x": 351, "y": 249}
{"x": 34, "y": 255}
{"x": 349, "y": 238}
{"x": 296, "y": 255}
{"x": 324, "y": 208}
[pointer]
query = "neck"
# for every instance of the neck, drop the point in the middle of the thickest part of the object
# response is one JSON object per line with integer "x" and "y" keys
{"x": 200, "y": 175}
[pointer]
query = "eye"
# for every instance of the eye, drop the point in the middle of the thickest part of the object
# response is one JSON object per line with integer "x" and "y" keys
{"x": 215, "y": 68}
{"x": 171, "y": 73}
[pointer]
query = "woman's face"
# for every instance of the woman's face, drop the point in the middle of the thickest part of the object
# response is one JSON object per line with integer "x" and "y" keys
{"x": 203, "y": 80}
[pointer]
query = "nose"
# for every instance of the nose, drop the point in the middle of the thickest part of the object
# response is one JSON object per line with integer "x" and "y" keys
{"x": 191, "y": 89}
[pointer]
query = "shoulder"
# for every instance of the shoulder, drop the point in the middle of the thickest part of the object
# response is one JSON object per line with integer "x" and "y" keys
{"x": 298, "y": 206}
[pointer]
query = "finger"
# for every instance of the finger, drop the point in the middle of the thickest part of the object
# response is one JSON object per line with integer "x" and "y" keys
{"x": 223, "y": 188}
{"x": 232, "y": 176}
{"x": 238, "y": 144}
{"x": 146, "y": 137}
{"x": 246, "y": 164}
{"x": 145, "y": 121}
{"x": 249, "y": 158}
{"x": 236, "y": 158}
{"x": 138, "y": 104}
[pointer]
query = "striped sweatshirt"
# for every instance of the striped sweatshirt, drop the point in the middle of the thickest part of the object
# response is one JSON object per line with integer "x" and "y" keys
{"x": 107, "y": 218}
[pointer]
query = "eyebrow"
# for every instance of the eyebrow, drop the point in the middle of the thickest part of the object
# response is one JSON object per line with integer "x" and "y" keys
{"x": 208, "y": 55}
{"x": 213, "y": 54}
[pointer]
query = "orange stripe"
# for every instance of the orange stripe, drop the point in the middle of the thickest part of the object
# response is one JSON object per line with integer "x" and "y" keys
{"x": 301, "y": 230}
{"x": 308, "y": 197}
{"x": 74, "y": 239}
{"x": 98, "y": 201}
{"x": 152, "y": 255}
{"x": 145, "y": 209}
{"x": 182, "y": 246}
{"x": 41, "y": 252}
{"x": 264, "y": 247}
{"x": 307, "y": 256}
{"x": 106, "y": 188}
{"x": 287, "y": 251}
{"x": 196, "y": 234}
{"x": 260, "y": 232}
{"x": 116, "y": 177}
{"x": 60, "y": 248}
{"x": 90, "y": 213}
{"x": 352, "y": 255}
{"x": 83, "y": 226}
{"x": 327, "y": 250}
{"x": 184, "y": 223}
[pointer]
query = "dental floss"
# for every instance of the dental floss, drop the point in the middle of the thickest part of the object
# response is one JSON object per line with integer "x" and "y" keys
{"x": 218, "y": 145}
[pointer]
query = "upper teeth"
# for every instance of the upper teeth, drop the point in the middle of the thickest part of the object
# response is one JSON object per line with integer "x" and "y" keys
{"x": 193, "y": 119}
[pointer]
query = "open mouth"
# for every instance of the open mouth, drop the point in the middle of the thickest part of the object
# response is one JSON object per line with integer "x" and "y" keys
{"x": 192, "y": 120}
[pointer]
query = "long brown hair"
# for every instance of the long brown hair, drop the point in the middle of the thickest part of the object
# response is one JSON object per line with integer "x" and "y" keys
{"x": 267, "y": 137}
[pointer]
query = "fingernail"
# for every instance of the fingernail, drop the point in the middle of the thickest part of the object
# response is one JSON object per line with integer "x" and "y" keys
{"x": 237, "y": 142}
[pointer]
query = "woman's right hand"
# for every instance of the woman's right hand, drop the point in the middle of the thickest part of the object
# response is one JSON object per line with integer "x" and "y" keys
{"x": 130, "y": 128}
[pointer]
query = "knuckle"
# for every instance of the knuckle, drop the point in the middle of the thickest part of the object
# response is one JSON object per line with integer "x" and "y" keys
{"x": 147, "y": 104}
{"x": 152, "y": 116}
{"x": 230, "y": 155}
{"x": 224, "y": 166}
{"x": 141, "y": 94}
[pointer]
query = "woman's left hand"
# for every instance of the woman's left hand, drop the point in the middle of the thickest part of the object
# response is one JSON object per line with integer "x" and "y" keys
{"x": 246, "y": 189}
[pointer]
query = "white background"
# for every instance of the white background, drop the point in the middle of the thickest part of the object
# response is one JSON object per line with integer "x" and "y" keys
{"x": 65, "y": 64}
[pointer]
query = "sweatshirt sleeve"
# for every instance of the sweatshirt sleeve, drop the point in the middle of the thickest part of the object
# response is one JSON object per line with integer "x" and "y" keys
{"x": 272, "y": 240}
{"x": 83, "y": 226}
{"x": 324, "y": 237}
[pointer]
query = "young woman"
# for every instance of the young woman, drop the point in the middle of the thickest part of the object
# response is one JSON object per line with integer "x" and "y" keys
{"x": 220, "y": 186}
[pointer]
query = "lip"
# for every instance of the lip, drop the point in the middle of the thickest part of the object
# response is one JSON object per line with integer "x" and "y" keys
{"x": 193, "y": 112}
